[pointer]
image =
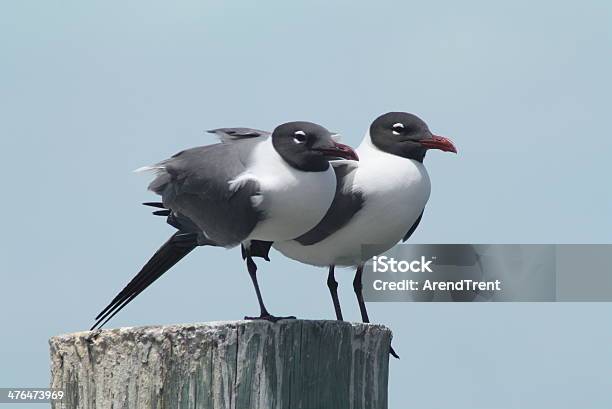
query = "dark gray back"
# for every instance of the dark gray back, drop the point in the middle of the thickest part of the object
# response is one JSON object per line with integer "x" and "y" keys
{"x": 194, "y": 183}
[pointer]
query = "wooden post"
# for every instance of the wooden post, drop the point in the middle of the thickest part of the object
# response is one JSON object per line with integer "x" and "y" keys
{"x": 290, "y": 364}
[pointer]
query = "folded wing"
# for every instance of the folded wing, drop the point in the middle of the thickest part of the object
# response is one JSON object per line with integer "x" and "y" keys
{"x": 345, "y": 205}
{"x": 198, "y": 184}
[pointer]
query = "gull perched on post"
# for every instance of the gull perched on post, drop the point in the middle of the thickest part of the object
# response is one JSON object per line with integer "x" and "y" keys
{"x": 379, "y": 201}
{"x": 253, "y": 186}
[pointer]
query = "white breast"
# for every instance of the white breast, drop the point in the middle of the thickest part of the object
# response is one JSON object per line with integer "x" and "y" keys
{"x": 396, "y": 191}
{"x": 293, "y": 201}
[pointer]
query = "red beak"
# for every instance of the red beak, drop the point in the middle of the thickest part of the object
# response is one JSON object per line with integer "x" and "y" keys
{"x": 438, "y": 142}
{"x": 340, "y": 150}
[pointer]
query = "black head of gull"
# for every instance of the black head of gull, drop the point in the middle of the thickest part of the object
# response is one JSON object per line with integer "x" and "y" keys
{"x": 406, "y": 135}
{"x": 308, "y": 147}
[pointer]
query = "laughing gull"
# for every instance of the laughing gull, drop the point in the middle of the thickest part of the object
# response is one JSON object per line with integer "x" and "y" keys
{"x": 379, "y": 201}
{"x": 252, "y": 186}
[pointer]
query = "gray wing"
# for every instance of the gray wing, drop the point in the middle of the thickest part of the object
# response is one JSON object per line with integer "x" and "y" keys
{"x": 413, "y": 227}
{"x": 344, "y": 206}
{"x": 194, "y": 184}
{"x": 234, "y": 134}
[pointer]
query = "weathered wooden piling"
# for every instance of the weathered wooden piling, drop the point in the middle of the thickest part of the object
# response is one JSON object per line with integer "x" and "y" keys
{"x": 291, "y": 364}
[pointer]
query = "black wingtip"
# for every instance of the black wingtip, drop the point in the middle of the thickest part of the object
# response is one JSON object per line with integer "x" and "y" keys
{"x": 159, "y": 205}
{"x": 393, "y": 353}
{"x": 177, "y": 247}
{"x": 162, "y": 212}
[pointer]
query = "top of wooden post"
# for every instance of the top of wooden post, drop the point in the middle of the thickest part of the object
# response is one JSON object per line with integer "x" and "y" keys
{"x": 234, "y": 365}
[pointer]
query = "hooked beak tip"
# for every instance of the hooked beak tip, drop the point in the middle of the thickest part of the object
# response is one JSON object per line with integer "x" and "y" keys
{"x": 347, "y": 151}
{"x": 439, "y": 142}
{"x": 339, "y": 150}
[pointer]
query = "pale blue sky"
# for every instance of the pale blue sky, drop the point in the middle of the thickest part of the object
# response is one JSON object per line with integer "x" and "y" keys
{"x": 92, "y": 90}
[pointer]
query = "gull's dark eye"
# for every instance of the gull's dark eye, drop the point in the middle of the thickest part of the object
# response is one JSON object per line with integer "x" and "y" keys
{"x": 299, "y": 136}
{"x": 398, "y": 128}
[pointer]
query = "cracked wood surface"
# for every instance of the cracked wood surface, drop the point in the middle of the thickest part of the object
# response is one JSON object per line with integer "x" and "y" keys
{"x": 292, "y": 364}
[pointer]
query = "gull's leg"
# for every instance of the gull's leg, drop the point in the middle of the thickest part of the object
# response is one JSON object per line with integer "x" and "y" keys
{"x": 358, "y": 287}
{"x": 264, "y": 314}
{"x": 332, "y": 284}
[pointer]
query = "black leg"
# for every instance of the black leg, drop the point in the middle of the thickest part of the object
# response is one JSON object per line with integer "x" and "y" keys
{"x": 252, "y": 267}
{"x": 332, "y": 284}
{"x": 358, "y": 287}
{"x": 264, "y": 314}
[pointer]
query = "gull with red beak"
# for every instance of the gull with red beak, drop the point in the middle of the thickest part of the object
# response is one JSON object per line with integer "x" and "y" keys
{"x": 379, "y": 201}
{"x": 252, "y": 186}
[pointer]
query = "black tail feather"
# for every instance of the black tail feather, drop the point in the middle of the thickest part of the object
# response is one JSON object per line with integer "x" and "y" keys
{"x": 177, "y": 247}
{"x": 159, "y": 205}
{"x": 162, "y": 212}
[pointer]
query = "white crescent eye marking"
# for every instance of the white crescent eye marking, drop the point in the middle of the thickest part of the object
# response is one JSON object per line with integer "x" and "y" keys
{"x": 398, "y": 125}
{"x": 299, "y": 136}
